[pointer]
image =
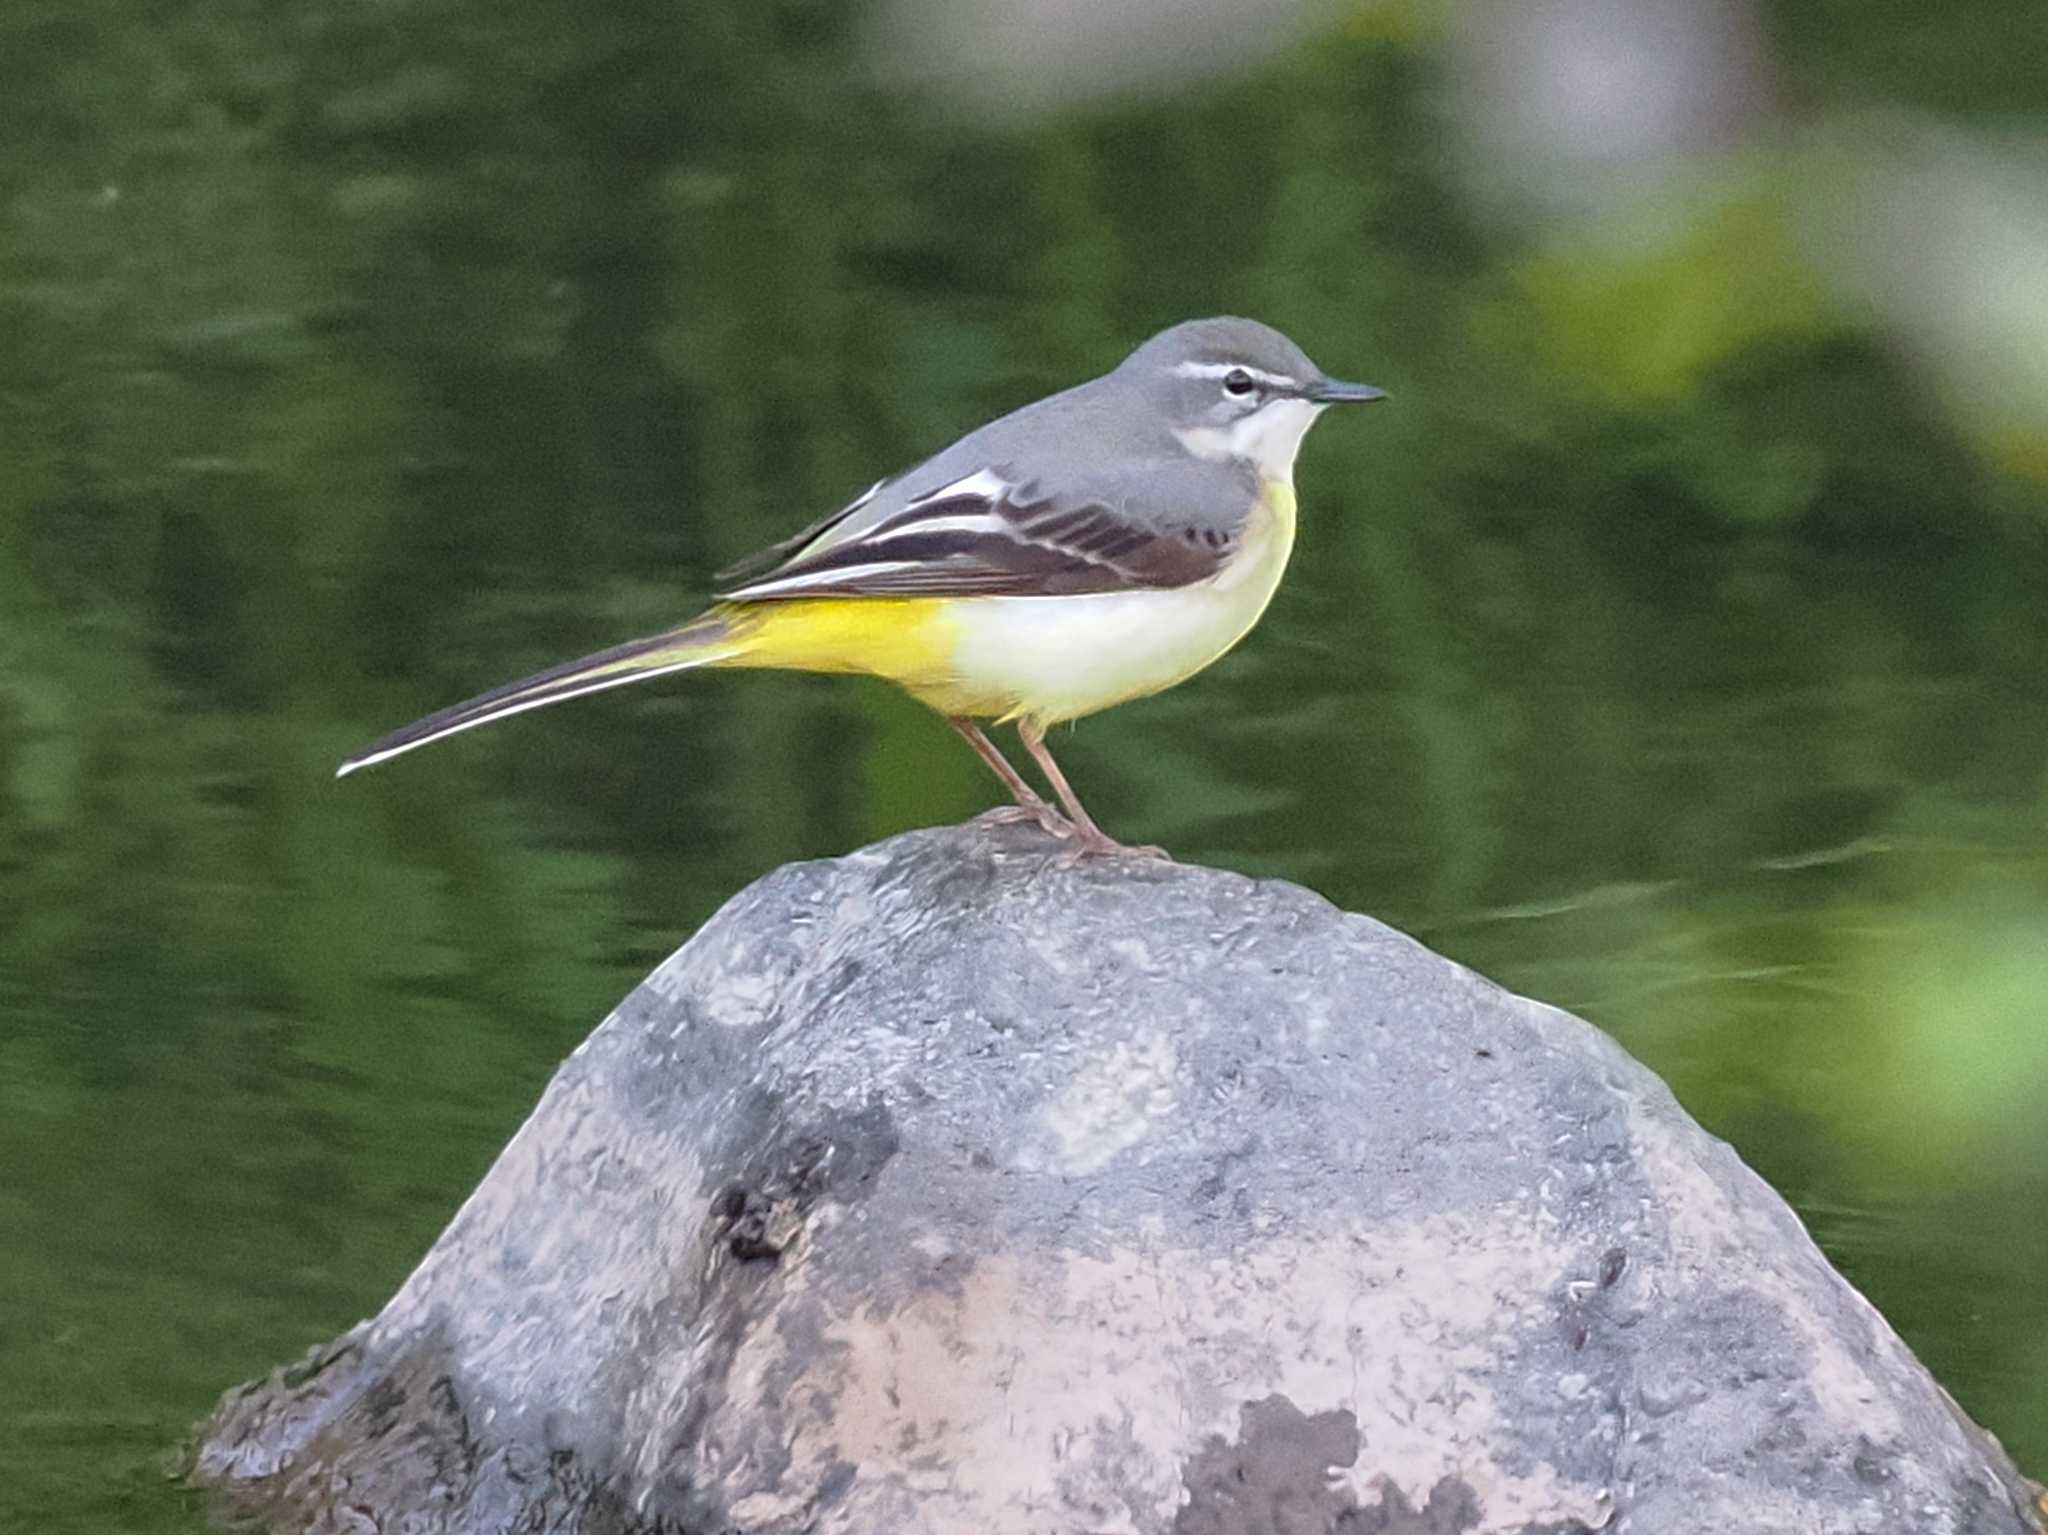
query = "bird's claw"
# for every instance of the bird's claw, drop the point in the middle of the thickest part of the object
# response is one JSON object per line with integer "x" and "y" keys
{"x": 1089, "y": 842}
{"x": 1045, "y": 818}
{"x": 1078, "y": 843}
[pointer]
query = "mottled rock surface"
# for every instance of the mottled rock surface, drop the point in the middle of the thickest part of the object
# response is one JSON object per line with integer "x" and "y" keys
{"x": 941, "y": 1188}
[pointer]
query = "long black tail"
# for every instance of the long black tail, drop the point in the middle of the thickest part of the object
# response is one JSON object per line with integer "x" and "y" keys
{"x": 702, "y": 642}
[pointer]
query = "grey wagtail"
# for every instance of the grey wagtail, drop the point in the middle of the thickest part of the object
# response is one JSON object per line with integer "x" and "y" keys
{"x": 1100, "y": 545}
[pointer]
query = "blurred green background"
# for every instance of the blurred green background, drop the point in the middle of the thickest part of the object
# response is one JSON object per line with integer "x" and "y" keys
{"x": 1673, "y": 647}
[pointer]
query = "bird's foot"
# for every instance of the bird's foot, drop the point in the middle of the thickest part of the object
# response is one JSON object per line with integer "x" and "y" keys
{"x": 1093, "y": 842}
{"x": 1079, "y": 841}
{"x": 1044, "y": 817}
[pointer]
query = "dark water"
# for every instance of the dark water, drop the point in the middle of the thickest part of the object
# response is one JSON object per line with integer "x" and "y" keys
{"x": 356, "y": 361}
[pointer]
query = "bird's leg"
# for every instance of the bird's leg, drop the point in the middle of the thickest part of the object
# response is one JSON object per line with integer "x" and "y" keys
{"x": 1030, "y": 806}
{"x": 1089, "y": 838}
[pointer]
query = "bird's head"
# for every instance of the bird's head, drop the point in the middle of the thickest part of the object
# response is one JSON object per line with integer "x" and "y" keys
{"x": 1237, "y": 391}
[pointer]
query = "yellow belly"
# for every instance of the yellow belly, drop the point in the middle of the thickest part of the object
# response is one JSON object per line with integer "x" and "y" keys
{"x": 1046, "y": 658}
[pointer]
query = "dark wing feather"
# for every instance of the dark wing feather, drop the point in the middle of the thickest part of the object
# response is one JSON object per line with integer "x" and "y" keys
{"x": 762, "y": 561}
{"x": 1016, "y": 543}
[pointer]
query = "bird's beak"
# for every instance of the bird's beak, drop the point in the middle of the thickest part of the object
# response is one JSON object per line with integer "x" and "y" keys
{"x": 1334, "y": 391}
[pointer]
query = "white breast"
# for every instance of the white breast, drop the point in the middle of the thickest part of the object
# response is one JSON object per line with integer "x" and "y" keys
{"x": 1058, "y": 658}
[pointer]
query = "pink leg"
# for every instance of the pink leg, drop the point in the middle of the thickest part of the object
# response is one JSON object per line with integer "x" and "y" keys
{"x": 1030, "y": 804}
{"x": 1089, "y": 839}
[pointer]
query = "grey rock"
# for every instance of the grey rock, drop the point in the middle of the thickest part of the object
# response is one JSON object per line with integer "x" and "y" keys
{"x": 943, "y": 1188}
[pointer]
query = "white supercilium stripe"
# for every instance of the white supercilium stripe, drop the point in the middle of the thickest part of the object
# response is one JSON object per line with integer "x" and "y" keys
{"x": 1225, "y": 369}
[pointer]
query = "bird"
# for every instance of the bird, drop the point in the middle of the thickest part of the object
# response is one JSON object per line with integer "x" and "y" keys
{"x": 1096, "y": 546}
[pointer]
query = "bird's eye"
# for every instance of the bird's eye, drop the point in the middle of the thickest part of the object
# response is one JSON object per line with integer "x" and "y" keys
{"x": 1237, "y": 382}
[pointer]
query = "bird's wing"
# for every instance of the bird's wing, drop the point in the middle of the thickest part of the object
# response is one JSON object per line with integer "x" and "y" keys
{"x": 994, "y": 532}
{"x": 762, "y": 560}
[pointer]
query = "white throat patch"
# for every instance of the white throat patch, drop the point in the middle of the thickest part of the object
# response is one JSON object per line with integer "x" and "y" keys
{"x": 1267, "y": 439}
